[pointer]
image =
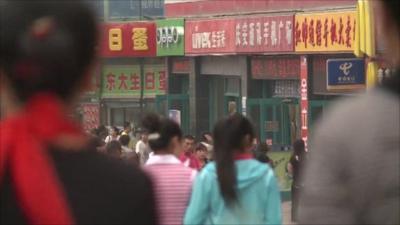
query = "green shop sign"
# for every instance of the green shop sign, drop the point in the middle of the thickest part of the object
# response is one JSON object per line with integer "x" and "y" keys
{"x": 124, "y": 81}
{"x": 170, "y": 37}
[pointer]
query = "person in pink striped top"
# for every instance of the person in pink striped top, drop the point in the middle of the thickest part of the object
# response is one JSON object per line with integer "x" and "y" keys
{"x": 172, "y": 180}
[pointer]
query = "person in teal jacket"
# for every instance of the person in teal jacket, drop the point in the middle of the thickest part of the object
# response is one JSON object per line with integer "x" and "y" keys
{"x": 235, "y": 189}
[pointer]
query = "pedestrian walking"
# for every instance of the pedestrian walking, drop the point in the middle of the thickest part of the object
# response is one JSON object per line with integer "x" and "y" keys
{"x": 352, "y": 175}
{"x": 114, "y": 149}
{"x": 142, "y": 148}
{"x": 261, "y": 154}
{"x": 128, "y": 153}
{"x": 201, "y": 154}
{"x": 113, "y": 136}
{"x": 187, "y": 156}
{"x": 48, "y": 175}
{"x": 173, "y": 181}
{"x": 235, "y": 188}
{"x": 295, "y": 166}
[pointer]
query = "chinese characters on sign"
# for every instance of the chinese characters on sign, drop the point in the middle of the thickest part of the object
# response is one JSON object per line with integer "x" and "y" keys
{"x": 345, "y": 74}
{"x": 125, "y": 80}
{"x": 259, "y": 34}
{"x": 264, "y": 34}
{"x": 209, "y": 36}
{"x": 304, "y": 99}
{"x": 325, "y": 31}
{"x": 90, "y": 116}
{"x": 275, "y": 67}
{"x": 129, "y": 39}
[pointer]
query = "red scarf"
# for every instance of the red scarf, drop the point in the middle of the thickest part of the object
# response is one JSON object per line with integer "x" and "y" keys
{"x": 22, "y": 149}
{"x": 243, "y": 156}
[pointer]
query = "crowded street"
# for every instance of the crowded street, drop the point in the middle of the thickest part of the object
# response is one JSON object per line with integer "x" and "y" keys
{"x": 194, "y": 112}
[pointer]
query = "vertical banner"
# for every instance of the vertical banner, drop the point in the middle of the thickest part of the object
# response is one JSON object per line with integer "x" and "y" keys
{"x": 304, "y": 99}
{"x": 90, "y": 116}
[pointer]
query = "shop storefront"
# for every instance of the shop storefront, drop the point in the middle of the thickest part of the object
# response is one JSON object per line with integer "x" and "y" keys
{"x": 170, "y": 44}
{"x": 132, "y": 76}
{"x": 320, "y": 38}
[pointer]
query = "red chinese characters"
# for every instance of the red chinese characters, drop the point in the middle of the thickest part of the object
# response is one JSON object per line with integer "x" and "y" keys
{"x": 110, "y": 82}
{"x": 122, "y": 82}
{"x": 135, "y": 82}
{"x": 162, "y": 81}
{"x": 318, "y": 30}
{"x": 150, "y": 81}
{"x": 283, "y": 67}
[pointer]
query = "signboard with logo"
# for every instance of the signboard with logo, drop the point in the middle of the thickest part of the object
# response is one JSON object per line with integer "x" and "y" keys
{"x": 325, "y": 32}
{"x": 209, "y": 36}
{"x": 264, "y": 34}
{"x": 124, "y": 81}
{"x": 136, "y": 39}
{"x": 170, "y": 37}
{"x": 275, "y": 67}
{"x": 345, "y": 74}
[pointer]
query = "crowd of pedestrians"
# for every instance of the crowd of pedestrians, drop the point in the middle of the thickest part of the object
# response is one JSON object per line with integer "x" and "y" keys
{"x": 51, "y": 172}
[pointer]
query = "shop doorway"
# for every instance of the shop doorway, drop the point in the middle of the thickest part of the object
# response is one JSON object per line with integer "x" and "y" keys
{"x": 277, "y": 120}
{"x": 179, "y": 102}
{"x": 317, "y": 109}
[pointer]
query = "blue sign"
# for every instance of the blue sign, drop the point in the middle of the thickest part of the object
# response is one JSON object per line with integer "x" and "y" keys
{"x": 345, "y": 74}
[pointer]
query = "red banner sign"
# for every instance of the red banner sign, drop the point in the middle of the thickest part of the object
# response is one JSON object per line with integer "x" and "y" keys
{"x": 129, "y": 40}
{"x": 275, "y": 67}
{"x": 304, "y": 99}
{"x": 209, "y": 36}
{"x": 90, "y": 116}
{"x": 264, "y": 34}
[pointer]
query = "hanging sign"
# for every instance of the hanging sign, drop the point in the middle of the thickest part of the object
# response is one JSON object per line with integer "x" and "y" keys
{"x": 137, "y": 39}
{"x": 275, "y": 67}
{"x": 345, "y": 74}
{"x": 325, "y": 32}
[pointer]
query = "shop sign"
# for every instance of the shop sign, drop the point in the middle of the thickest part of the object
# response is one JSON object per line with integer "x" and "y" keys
{"x": 264, "y": 34}
{"x": 136, "y": 39}
{"x": 209, "y": 36}
{"x": 170, "y": 37}
{"x": 345, "y": 74}
{"x": 275, "y": 67}
{"x": 304, "y": 99}
{"x": 272, "y": 126}
{"x": 181, "y": 65}
{"x": 124, "y": 81}
{"x": 325, "y": 32}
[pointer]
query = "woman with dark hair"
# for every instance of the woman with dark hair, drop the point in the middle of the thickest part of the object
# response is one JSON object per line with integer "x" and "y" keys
{"x": 261, "y": 154}
{"x": 295, "y": 166}
{"x": 47, "y": 173}
{"x": 114, "y": 135}
{"x": 173, "y": 181}
{"x": 201, "y": 153}
{"x": 235, "y": 188}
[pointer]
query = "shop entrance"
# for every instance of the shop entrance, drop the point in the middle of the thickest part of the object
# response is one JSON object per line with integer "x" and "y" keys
{"x": 179, "y": 102}
{"x": 317, "y": 110}
{"x": 277, "y": 120}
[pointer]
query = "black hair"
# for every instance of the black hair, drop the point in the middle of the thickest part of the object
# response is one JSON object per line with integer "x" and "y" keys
{"x": 230, "y": 135}
{"x": 113, "y": 147}
{"x": 189, "y": 137}
{"x": 200, "y": 147}
{"x": 299, "y": 148}
{"x": 46, "y": 46}
{"x": 115, "y": 129}
{"x": 160, "y": 130}
{"x": 203, "y": 136}
{"x": 260, "y": 153}
{"x": 127, "y": 125}
{"x": 124, "y": 139}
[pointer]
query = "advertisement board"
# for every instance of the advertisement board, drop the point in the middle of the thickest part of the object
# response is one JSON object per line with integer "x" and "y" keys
{"x": 345, "y": 74}
{"x": 275, "y": 67}
{"x": 325, "y": 32}
{"x": 170, "y": 36}
{"x": 135, "y": 39}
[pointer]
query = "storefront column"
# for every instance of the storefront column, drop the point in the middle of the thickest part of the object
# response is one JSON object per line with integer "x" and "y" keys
{"x": 192, "y": 95}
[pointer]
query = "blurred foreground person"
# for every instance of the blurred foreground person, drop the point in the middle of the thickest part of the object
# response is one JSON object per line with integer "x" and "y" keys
{"x": 235, "y": 189}
{"x": 352, "y": 176}
{"x": 295, "y": 166}
{"x": 114, "y": 149}
{"x": 47, "y": 173}
{"x": 172, "y": 180}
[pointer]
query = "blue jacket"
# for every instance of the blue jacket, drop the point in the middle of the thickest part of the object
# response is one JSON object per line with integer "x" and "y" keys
{"x": 258, "y": 197}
